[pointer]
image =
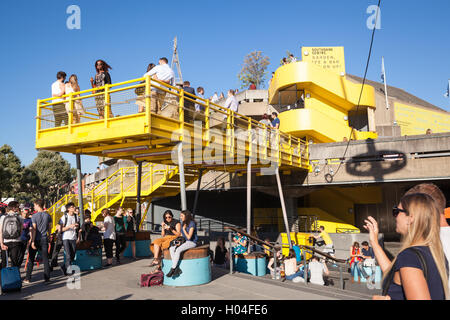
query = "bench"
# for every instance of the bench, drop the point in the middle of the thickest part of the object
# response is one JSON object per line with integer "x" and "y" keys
{"x": 195, "y": 265}
{"x": 254, "y": 263}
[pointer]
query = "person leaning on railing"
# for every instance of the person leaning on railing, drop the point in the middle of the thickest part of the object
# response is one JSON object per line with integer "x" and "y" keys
{"x": 171, "y": 229}
{"x": 58, "y": 90}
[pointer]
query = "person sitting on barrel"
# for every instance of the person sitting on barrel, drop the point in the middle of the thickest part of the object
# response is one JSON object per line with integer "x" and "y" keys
{"x": 241, "y": 243}
{"x": 189, "y": 233}
{"x": 171, "y": 229}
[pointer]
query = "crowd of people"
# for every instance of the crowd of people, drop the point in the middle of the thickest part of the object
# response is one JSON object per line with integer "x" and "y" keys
{"x": 419, "y": 271}
{"x": 28, "y": 232}
{"x": 193, "y": 107}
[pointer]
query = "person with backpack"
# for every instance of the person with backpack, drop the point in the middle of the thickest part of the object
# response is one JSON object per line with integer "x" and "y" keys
{"x": 109, "y": 235}
{"x": 11, "y": 226}
{"x": 70, "y": 223}
{"x": 42, "y": 224}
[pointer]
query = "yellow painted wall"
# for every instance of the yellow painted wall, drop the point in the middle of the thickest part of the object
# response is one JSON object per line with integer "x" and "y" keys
{"x": 414, "y": 120}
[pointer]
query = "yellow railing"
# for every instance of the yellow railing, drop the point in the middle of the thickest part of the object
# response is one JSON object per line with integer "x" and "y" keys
{"x": 117, "y": 187}
{"x": 111, "y": 103}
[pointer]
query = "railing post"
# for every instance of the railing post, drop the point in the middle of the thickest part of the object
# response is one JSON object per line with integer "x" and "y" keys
{"x": 230, "y": 254}
{"x": 290, "y": 150}
{"x": 121, "y": 181}
{"x": 207, "y": 124}
{"x": 341, "y": 278}
{"x": 107, "y": 107}
{"x": 70, "y": 115}
{"x": 38, "y": 119}
{"x": 228, "y": 131}
{"x": 181, "y": 114}
{"x": 107, "y": 190}
{"x": 148, "y": 92}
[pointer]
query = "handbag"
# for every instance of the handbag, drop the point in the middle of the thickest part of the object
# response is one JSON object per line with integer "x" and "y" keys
{"x": 177, "y": 242}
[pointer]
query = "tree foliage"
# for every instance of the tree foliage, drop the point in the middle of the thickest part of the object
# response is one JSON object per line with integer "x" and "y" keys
{"x": 253, "y": 69}
{"x": 10, "y": 172}
{"x": 52, "y": 170}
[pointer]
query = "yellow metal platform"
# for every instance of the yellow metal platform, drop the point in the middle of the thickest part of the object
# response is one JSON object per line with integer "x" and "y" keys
{"x": 215, "y": 138}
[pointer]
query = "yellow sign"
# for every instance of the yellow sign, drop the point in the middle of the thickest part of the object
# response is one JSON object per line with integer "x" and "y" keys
{"x": 413, "y": 120}
{"x": 329, "y": 58}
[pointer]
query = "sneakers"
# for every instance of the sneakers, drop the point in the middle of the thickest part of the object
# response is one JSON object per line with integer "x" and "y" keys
{"x": 26, "y": 281}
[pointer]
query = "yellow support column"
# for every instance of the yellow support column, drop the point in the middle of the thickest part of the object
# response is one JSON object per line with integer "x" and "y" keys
{"x": 38, "y": 119}
{"x": 70, "y": 112}
{"x": 207, "y": 134}
{"x": 107, "y": 107}
{"x": 148, "y": 91}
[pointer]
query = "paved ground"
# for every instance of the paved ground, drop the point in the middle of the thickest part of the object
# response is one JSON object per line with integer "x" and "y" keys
{"x": 120, "y": 282}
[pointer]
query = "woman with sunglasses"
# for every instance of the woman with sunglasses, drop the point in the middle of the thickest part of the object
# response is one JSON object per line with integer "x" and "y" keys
{"x": 130, "y": 237}
{"x": 419, "y": 271}
{"x": 170, "y": 230}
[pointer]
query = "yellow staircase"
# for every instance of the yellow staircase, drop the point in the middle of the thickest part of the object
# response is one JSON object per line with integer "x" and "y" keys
{"x": 121, "y": 188}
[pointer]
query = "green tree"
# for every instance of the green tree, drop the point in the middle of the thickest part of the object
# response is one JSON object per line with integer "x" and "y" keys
{"x": 10, "y": 172}
{"x": 52, "y": 170}
{"x": 254, "y": 69}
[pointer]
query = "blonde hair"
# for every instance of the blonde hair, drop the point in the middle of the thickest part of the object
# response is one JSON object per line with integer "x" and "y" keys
{"x": 73, "y": 80}
{"x": 424, "y": 231}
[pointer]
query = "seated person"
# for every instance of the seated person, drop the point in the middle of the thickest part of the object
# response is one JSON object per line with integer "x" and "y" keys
{"x": 354, "y": 260}
{"x": 298, "y": 252}
{"x": 171, "y": 229}
{"x": 271, "y": 265}
{"x": 317, "y": 271}
{"x": 367, "y": 260}
{"x": 267, "y": 249}
{"x": 291, "y": 270}
{"x": 324, "y": 239}
{"x": 241, "y": 244}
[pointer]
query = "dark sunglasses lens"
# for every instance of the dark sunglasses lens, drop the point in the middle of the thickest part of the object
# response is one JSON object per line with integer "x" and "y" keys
{"x": 395, "y": 212}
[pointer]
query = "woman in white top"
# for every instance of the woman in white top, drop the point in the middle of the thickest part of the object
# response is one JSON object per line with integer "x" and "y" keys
{"x": 109, "y": 235}
{"x": 291, "y": 270}
{"x": 78, "y": 109}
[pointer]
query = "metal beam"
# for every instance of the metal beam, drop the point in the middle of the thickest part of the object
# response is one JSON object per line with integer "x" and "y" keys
{"x": 200, "y": 174}
{"x": 181, "y": 173}
{"x": 138, "y": 194}
{"x": 283, "y": 207}
{"x": 249, "y": 198}
{"x": 80, "y": 189}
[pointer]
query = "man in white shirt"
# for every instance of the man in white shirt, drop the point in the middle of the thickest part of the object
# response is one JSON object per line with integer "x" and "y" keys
{"x": 70, "y": 224}
{"x": 165, "y": 74}
{"x": 231, "y": 103}
{"x": 58, "y": 90}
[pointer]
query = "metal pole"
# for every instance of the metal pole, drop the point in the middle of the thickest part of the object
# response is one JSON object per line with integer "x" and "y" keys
{"x": 80, "y": 190}
{"x": 181, "y": 173}
{"x": 200, "y": 174}
{"x": 341, "y": 279}
{"x": 283, "y": 207}
{"x": 230, "y": 250}
{"x": 385, "y": 86}
{"x": 305, "y": 269}
{"x": 249, "y": 199}
{"x": 138, "y": 196}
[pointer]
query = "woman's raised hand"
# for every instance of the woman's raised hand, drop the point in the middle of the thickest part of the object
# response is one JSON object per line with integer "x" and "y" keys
{"x": 371, "y": 225}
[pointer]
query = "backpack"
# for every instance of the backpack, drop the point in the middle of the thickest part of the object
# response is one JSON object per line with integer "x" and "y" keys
{"x": 12, "y": 227}
{"x": 152, "y": 279}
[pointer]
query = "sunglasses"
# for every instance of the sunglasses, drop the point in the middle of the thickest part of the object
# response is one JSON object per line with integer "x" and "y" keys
{"x": 168, "y": 217}
{"x": 397, "y": 210}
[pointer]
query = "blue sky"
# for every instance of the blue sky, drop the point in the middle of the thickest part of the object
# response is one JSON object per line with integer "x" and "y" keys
{"x": 214, "y": 37}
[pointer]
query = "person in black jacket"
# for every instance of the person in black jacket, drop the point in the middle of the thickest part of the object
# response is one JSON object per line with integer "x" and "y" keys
{"x": 189, "y": 106}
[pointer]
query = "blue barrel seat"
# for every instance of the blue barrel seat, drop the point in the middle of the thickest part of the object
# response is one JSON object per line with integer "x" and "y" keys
{"x": 254, "y": 263}
{"x": 194, "y": 264}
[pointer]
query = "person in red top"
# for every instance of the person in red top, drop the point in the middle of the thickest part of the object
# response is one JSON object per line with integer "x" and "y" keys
{"x": 355, "y": 257}
{"x": 252, "y": 86}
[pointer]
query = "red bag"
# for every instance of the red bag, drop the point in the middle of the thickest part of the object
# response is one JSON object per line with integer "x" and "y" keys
{"x": 152, "y": 279}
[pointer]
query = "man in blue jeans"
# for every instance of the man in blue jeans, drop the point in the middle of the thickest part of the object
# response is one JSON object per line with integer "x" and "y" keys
{"x": 42, "y": 224}
{"x": 369, "y": 258}
{"x": 69, "y": 224}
